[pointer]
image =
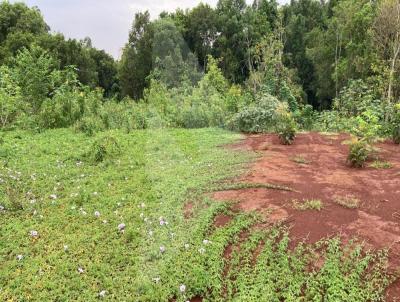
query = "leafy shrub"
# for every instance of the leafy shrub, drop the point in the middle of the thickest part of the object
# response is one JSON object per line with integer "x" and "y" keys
{"x": 359, "y": 153}
{"x": 89, "y": 124}
{"x": 103, "y": 148}
{"x": 357, "y": 98}
{"x": 10, "y": 96}
{"x": 396, "y": 124}
{"x": 285, "y": 125}
{"x": 305, "y": 117}
{"x": 256, "y": 118}
{"x": 332, "y": 121}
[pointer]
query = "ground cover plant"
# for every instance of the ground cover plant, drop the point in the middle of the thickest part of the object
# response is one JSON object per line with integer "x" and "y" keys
{"x": 115, "y": 228}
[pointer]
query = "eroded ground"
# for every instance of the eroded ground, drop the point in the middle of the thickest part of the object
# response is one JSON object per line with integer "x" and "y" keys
{"x": 315, "y": 168}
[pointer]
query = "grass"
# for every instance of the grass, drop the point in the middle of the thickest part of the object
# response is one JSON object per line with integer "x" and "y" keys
{"x": 347, "y": 201}
{"x": 84, "y": 218}
{"x": 301, "y": 160}
{"x": 378, "y": 164}
{"x": 309, "y": 204}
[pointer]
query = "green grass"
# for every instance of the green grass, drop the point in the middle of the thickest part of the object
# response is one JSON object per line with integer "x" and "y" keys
{"x": 378, "y": 164}
{"x": 76, "y": 190}
{"x": 310, "y": 204}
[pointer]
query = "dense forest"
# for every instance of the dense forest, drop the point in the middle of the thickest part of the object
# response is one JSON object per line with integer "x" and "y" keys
{"x": 328, "y": 65}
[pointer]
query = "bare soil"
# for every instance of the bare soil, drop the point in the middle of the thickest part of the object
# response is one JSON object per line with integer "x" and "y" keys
{"x": 315, "y": 168}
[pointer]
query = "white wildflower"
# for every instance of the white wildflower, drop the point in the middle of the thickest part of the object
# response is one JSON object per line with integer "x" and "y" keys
{"x": 182, "y": 288}
{"x": 202, "y": 250}
{"x": 187, "y": 246}
{"x": 156, "y": 280}
{"x": 80, "y": 270}
{"x": 34, "y": 233}
{"x": 66, "y": 248}
{"x": 97, "y": 214}
{"x": 162, "y": 249}
{"x": 20, "y": 257}
{"x": 121, "y": 227}
{"x": 102, "y": 294}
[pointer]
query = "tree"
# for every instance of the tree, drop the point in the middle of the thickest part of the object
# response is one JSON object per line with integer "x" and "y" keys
{"x": 137, "y": 58}
{"x": 174, "y": 63}
{"x": 386, "y": 29}
{"x": 19, "y": 25}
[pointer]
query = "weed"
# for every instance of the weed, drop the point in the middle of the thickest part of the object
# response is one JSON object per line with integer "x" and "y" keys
{"x": 378, "y": 164}
{"x": 301, "y": 160}
{"x": 309, "y": 204}
{"x": 347, "y": 201}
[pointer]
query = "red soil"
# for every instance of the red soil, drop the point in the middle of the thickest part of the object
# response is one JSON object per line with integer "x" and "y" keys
{"x": 325, "y": 176}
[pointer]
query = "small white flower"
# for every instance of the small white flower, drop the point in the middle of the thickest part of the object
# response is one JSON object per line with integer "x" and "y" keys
{"x": 66, "y": 248}
{"x": 121, "y": 227}
{"x": 162, "y": 249}
{"x": 20, "y": 257}
{"x": 97, "y": 214}
{"x": 80, "y": 270}
{"x": 187, "y": 246}
{"x": 150, "y": 233}
{"x": 53, "y": 196}
{"x": 34, "y": 233}
{"x": 142, "y": 205}
{"x": 2, "y": 208}
{"x": 146, "y": 219}
{"x": 202, "y": 250}
{"x": 205, "y": 242}
{"x": 157, "y": 279}
{"x": 95, "y": 193}
{"x": 102, "y": 294}
{"x": 182, "y": 288}
{"x": 32, "y": 201}
{"x": 141, "y": 215}
{"x": 105, "y": 221}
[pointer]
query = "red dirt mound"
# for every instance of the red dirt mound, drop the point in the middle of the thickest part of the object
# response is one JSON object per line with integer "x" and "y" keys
{"x": 315, "y": 168}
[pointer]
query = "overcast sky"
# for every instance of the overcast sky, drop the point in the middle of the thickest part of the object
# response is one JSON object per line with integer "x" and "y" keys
{"x": 106, "y": 22}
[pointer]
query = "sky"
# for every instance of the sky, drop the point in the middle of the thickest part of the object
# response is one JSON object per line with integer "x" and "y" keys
{"x": 106, "y": 22}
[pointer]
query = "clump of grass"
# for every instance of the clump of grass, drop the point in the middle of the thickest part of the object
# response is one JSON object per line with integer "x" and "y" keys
{"x": 301, "y": 160}
{"x": 103, "y": 148}
{"x": 378, "y": 164}
{"x": 309, "y": 204}
{"x": 347, "y": 201}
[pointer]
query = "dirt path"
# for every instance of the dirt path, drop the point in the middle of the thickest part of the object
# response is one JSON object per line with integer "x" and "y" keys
{"x": 315, "y": 168}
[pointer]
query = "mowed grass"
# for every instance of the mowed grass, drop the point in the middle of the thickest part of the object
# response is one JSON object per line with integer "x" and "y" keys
{"x": 114, "y": 229}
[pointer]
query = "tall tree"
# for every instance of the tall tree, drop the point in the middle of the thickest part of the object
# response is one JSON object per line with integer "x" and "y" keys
{"x": 137, "y": 58}
{"x": 387, "y": 37}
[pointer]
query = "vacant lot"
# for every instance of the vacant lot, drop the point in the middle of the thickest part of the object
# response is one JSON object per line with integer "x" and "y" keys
{"x": 129, "y": 217}
{"x": 352, "y": 203}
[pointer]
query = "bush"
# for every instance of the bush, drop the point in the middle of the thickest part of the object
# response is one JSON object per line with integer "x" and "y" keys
{"x": 359, "y": 153}
{"x": 396, "y": 124}
{"x": 285, "y": 125}
{"x": 103, "y": 148}
{"x": 256, "y": 118}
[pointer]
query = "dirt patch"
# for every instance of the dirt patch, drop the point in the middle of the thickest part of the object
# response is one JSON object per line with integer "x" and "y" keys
{"x": 325, "y": 176}
{"x": 222, "y": 220}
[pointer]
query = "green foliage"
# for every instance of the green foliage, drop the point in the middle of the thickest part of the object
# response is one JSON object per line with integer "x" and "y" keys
{"x": 359, "y": 153}
{"x": 396, "y": 124}
{"x": 104, "y": 147}
{"x": 285, "y": 125}
{"x": 257, "y": 117}
{"x": 357, "y": 98}
{"x": 10, "y": 98}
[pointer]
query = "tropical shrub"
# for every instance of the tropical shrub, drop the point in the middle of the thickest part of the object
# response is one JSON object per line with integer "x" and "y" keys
{"x": 257, "y": 117}
{"x": 10, "y": 98}
{"x": 396, "y": 124}
{"x": 285, "y": 125}
{"x": 359, "y": 152}
{"x": 104, "y": 147}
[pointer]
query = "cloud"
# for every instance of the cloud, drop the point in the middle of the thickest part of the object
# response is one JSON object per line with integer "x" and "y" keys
{"x": 106, "y": 22}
